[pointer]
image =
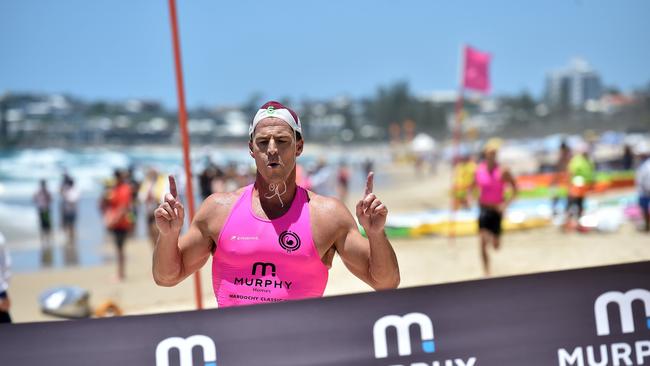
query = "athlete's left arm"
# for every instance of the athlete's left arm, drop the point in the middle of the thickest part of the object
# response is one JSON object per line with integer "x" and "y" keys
{"x": 510, "y": 179}
{"x": 373, "y": 260}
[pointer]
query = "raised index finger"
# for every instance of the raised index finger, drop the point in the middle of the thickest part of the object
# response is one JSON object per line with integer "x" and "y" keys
{"x": 369, "y": 183}
{"x": 172, "y": 186}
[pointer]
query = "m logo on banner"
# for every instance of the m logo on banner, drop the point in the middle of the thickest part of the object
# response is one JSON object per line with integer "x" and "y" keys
{"x": 185, "y": 346}
{"x": 402, "y": 325}
{"x": 624, "y": 302}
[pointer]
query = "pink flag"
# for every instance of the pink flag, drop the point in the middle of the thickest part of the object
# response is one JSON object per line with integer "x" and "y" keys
{"x": 476, "y": 75}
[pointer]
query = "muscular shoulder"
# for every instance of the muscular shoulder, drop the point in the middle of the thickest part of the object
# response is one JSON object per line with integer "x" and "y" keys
{"x": 330, "y": 221}
{"x": 215, "y": 209}
{"x": 330, "y": 212}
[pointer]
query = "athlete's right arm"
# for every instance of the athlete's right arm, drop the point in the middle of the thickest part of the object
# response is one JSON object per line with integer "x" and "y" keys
{"x": 175, "y": 259}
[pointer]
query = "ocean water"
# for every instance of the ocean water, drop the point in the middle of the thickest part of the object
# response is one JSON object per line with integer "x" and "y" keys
{"x": 21, "y": 170}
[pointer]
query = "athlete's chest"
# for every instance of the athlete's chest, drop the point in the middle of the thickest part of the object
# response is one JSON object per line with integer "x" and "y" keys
{"x": 489, "y": 177}
{"x": 264, "y": 238}
{"x": 321, "y": 236}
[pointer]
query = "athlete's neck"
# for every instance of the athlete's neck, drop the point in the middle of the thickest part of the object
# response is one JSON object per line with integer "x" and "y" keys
{"x": 275, "y": 197}
{"x": 491, "y": 164}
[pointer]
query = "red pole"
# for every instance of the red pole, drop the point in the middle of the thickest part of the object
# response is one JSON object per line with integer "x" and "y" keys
{"x": 182, "y": 122}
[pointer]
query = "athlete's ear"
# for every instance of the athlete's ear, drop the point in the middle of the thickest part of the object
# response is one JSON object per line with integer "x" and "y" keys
{"x": 250, "y": 148}
{"x": 299, "y": 145}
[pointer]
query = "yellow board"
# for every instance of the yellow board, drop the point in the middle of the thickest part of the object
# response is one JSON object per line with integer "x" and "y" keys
{"x": 466, "y": 228}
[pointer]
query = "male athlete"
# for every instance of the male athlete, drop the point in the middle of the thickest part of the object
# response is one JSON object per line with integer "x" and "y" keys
{"x": 491, "y": 179}
{"x": 273, "y": 240}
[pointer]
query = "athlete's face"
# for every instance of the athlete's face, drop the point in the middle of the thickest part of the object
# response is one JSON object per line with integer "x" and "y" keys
{"x": 275, "y": 149}
{"x": 491, "y": 156}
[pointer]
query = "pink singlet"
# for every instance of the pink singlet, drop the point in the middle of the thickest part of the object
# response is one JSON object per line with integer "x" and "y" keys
{"x": 491, "y": 185}
{"x": 261, "y": 261}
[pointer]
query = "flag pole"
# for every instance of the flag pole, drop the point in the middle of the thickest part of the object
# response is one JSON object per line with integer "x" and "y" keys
{"x": 456, "y": 142}
{"x": 182, "y": 122}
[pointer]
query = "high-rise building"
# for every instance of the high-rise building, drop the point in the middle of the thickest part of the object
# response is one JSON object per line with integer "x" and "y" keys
{"x": 573, "y": 87}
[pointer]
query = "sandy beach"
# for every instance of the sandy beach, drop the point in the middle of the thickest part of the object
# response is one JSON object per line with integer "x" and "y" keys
{"x": 423, "y": 261}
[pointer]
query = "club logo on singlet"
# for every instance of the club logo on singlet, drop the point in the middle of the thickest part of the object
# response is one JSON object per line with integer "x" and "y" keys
{"x": 289, "y": 241}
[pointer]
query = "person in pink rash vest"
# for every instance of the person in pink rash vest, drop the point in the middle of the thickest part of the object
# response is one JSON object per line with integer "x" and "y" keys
{"x": 273, "y": 240}
{"x": 491, "y": 180}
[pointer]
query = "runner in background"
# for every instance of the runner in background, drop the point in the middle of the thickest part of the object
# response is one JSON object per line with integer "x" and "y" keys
{"x": 491, "y": 180}
{"x": 582, "y": 174}
{"x": 116, "y": 207}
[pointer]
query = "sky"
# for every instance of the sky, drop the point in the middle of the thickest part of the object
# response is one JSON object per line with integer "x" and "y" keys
{"x": 121, "y": 49}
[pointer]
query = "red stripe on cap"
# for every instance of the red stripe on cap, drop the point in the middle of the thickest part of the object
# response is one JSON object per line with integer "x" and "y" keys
{"x": 278, "y": 105}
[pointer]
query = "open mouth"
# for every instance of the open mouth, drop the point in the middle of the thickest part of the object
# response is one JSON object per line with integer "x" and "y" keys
{"x": 273, "y": 165}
